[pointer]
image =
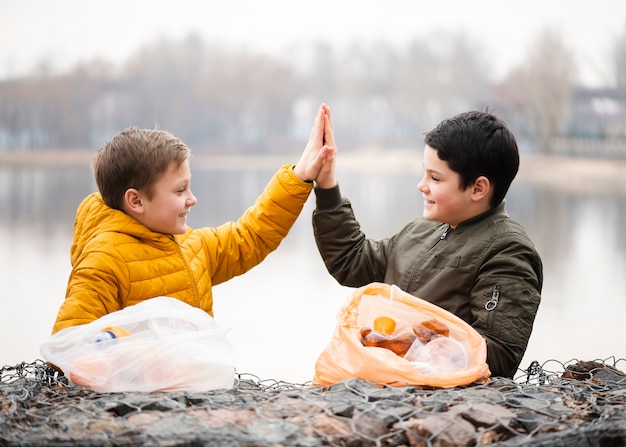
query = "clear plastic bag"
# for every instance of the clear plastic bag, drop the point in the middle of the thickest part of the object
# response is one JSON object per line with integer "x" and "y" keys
{"x": 456, "y": 359}
{"x": 159, "y": 344}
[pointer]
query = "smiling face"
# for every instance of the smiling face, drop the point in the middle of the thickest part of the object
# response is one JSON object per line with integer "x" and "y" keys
{"x": 166, "y": 211}
{"x": 444, "y": 199}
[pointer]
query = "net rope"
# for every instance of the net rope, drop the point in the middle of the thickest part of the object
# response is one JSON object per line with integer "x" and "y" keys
{"x": 552, "y": 404}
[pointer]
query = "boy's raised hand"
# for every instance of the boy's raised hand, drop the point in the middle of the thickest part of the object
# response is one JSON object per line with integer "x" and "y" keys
{"x": 326, "y": 175}
{"x": 316, "y": 152}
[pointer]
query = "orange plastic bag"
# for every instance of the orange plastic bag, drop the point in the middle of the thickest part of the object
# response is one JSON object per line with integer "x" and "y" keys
{"x": 456, "y": 360}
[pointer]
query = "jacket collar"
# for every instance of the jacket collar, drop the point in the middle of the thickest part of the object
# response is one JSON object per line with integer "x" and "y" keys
{"x": 496, "y": 210}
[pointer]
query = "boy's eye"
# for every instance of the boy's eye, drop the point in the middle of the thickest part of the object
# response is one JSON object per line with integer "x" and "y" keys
{"x": 433, "y": 178}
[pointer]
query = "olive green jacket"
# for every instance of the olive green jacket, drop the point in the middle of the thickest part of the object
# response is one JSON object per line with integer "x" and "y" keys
{"x": 486, "y": 270}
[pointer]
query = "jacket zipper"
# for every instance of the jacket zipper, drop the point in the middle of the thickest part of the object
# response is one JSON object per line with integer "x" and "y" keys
{"x": 441, "y": 238}
{"x": 444, "y": 234}
{"x": 490, "y": 306}
{"x": 190, "y": 272}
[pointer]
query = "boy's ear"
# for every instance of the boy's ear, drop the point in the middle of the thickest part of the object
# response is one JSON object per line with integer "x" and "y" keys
{"x": 481, "y": 188}
{"x": 132, "y": 201}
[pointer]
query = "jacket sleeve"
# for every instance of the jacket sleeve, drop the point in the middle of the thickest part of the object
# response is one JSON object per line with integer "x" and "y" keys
{"x": 505, "y": 300}
{"x": 235, "y": 247}
{"x": 351, "y": 258}
{"x": 92, "y": 290}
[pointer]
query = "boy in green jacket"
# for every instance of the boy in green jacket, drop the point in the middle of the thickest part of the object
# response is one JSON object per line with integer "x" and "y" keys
{"x": 465, "y": 255}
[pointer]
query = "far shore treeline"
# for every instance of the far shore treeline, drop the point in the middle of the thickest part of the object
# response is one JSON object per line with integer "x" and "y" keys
{"x": 237, "y": 101}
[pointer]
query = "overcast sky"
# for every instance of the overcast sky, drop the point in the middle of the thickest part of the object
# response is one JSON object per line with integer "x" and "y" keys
{"x": 67, "y": 31}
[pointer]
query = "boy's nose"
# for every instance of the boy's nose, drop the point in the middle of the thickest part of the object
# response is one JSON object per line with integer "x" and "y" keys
{"x": 421, "y": 185}
{"x": 192, "y": 199}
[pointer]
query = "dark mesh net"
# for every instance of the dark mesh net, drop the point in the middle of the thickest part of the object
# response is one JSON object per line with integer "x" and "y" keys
{"x": 550, "y": 404}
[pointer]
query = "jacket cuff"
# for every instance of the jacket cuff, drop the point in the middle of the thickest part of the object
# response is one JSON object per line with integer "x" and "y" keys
{"x": 327, "y": 199}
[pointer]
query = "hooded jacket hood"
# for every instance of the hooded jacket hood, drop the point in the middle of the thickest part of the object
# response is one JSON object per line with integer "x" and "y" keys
{"x": 94, "y": 218}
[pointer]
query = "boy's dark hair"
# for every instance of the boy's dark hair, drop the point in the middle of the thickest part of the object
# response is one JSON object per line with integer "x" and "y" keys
{"x": 477, "y": 143}
{"x": 135, "y": 158}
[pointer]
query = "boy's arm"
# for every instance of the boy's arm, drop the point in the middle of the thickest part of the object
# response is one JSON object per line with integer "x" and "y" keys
{"x": 92, "y": 292}
{"x": 235, "y": 247}
{"x": 350, "y": 257}
{"x": 505, "y": 302}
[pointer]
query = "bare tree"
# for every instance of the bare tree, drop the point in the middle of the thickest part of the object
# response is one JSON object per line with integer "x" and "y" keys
{"x": 441, "y": 75}
{"x": 541, "y": 88}
{"x": 47, "y": 111}
{"x": 232, "y": 100}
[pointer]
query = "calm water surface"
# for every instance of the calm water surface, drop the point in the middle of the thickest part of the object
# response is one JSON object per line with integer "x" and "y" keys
{"x": 282, "y": 313}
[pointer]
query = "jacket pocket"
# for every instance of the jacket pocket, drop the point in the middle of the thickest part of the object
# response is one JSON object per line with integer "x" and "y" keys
{"x": 441, "y": 261}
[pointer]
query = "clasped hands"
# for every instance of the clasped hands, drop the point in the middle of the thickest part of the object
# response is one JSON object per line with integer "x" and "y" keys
{"x": 317, "y": 162}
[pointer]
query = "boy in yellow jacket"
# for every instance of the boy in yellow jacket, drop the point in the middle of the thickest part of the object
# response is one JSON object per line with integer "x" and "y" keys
{"x": 131, "y": 241}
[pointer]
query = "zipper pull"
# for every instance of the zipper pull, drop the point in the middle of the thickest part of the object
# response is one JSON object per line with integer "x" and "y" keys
{"x": 445, "y": 233}
{"x": 495, "y": 297}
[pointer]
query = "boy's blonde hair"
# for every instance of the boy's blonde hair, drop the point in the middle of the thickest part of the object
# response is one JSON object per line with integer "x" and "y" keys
{"x": 135, "y": 158}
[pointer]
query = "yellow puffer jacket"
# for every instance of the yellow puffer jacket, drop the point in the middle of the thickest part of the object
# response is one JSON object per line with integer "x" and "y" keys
{"x": 118, "y": 262}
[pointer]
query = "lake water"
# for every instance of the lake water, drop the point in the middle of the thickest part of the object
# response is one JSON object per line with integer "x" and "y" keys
{"x": 282, "y": 313}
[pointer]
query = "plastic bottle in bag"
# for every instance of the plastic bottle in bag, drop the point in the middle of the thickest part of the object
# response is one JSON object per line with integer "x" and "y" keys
{"x": 111, "y": 333}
